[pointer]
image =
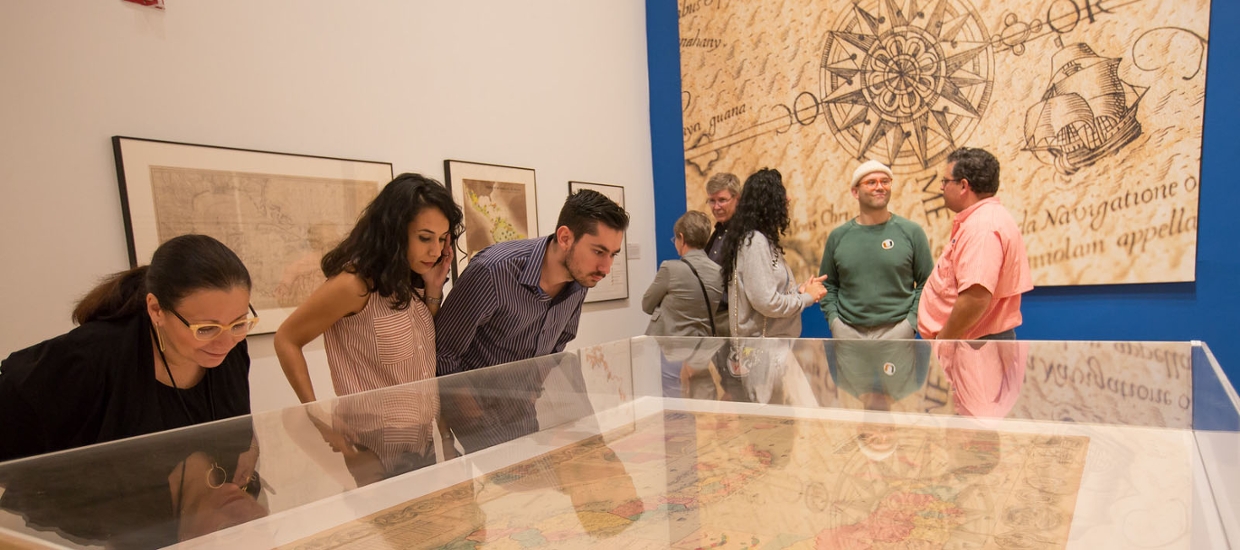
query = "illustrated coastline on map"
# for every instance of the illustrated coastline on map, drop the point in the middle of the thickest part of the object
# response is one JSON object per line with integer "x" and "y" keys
{"x": 495, "y": 212}
{"x": 278, "y": 225}
{"x": 701, "y": 480}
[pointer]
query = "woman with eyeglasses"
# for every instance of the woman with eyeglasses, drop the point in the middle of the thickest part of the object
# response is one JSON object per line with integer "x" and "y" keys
{"x": 158, "y": 347}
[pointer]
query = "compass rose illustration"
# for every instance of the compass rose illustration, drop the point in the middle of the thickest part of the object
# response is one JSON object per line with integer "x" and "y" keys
{"x": 906, "y": 81}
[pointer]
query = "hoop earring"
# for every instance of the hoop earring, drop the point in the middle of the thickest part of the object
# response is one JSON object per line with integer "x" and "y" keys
{"x": 223, "y": 475}
{"x": 159, "y": 338}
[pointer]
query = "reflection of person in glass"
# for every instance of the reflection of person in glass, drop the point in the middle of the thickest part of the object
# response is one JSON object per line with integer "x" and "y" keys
{"x": 531, "y": 398}
{"x": 378, "y": 434}
{"x": 602, "y": 495}
{"x": 515, "y": 400}
{"x": 158, "y": 347}
{"x": 141, "y": 493}
{"x": 688, "y": 370}
{"x": 986, "y": 377}
{"x": 878, "y": 372}
{"x": 207, "y": 501}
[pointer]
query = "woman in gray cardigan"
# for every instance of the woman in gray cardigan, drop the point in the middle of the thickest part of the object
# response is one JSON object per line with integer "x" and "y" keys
{"x": 764, "y": 298}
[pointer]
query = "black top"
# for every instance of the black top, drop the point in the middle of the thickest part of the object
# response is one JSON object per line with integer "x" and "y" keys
{"x": 714, "y": 251}
{"x": 714, "y": 245}
{"x": 97, "y": 383}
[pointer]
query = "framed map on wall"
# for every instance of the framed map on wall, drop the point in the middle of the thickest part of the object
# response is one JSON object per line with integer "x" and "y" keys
{"x": 279, "y": 212}
{"x": 499, "y": 203}
{"x": 615, "y": 286}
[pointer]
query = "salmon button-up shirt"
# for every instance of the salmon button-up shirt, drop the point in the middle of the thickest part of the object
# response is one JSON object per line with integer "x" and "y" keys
{"x": 986, "y": 248}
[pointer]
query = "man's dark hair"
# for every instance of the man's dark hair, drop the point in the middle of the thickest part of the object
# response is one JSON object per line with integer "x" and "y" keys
{"x": 979, "y": 167}
{"x": 584, "y": 209}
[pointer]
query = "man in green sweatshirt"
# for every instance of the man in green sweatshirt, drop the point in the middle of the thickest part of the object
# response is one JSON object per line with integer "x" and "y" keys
{"x": 876, "y": 265}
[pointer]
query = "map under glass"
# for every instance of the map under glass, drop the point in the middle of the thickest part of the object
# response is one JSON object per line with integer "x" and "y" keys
{"x": 709, "y": 480}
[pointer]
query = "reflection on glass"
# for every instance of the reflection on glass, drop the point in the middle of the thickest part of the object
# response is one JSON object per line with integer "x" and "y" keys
{"x": 878, "y": 372}
{"x": 207, "y": 498}
{"x": 1146, "y": 383}
{"x": 133, "y": 495}
{"x": 986, "y": 377}
{"x": 911, "y": 443}
{"x": 381, "y": 434}
{"x": 705, "y": 480}
{"x": 481, "y": 412}
{"x": 752, "y": 370}
{"x": 690, "y": 371}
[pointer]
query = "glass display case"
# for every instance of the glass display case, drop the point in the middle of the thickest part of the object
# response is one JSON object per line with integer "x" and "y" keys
{"x": 690, "y": 443}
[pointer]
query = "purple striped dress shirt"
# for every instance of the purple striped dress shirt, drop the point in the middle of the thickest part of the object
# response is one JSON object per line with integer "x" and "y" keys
{"x": 497, "y": 313}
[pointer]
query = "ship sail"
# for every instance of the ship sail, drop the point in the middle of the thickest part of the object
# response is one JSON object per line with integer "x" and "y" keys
{"x": 1086, "y": 112}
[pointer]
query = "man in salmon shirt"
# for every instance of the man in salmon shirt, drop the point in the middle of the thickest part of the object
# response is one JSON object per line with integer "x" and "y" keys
{"x": 974, "y": 291}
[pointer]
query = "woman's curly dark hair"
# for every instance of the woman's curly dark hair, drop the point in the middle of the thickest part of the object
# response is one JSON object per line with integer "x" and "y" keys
{"x": 763, "y": 207}
{"x": 377, "y": 248}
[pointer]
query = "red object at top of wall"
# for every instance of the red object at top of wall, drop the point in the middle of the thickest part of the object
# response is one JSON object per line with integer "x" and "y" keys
{"x": 158, "y": 4}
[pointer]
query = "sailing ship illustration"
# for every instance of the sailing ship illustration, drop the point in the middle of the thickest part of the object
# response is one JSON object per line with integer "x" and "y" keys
{"x": 1086, "y": 113}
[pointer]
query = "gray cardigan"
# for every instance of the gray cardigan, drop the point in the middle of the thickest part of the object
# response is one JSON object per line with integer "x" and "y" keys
{"x": 674, "y": 300}
{"x": 762, "y": 296}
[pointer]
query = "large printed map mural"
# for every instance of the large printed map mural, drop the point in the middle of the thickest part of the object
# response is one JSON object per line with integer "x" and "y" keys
{"x": 1093, "y": 107}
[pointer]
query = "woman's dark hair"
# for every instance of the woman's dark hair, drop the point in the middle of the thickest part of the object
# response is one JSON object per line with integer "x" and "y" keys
{"x": 377, "y": 250}
{"x": 179, "y": 267}
{"x": 763, "y": 207}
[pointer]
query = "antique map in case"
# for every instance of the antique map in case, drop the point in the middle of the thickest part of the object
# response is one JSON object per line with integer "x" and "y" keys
{"x": 703, "y": 480}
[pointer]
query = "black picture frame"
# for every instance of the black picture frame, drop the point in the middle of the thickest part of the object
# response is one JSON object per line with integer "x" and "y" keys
{"x": 278, "y": 211}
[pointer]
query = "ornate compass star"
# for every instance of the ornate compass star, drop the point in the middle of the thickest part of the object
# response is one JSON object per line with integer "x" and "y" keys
{"x": 903, "y": 83}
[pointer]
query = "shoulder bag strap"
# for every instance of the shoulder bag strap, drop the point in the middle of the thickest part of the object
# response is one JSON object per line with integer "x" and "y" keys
{"x": 710, "y": 313}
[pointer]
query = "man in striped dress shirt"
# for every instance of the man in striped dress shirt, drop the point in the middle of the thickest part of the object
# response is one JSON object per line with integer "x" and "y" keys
{"x": 522, "y": 299}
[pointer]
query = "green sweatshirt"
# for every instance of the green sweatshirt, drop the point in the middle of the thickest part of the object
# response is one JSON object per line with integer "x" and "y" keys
{"x": 875, "y": 273}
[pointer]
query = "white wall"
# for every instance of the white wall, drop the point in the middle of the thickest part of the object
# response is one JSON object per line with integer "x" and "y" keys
{"x": 557, "y": 86}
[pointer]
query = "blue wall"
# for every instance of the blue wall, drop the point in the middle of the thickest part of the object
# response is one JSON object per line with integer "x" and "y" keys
{"x": 1205, "y": 310}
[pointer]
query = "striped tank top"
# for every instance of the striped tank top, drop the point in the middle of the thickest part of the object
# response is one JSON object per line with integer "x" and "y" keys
{"x": 380, "y": 346}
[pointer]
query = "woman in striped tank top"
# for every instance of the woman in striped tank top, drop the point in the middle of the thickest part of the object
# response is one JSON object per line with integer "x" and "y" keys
{"x": 384, "y": 283}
